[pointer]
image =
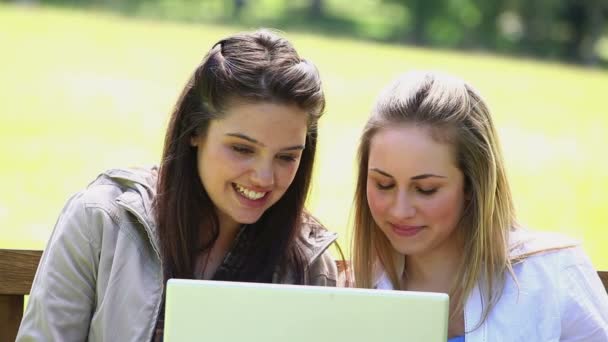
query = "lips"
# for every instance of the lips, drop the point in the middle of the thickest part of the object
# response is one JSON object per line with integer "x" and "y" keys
{"x": 406, "y": 230}
{"x": 249, "y": 197}
{"x": 248, "y": 193}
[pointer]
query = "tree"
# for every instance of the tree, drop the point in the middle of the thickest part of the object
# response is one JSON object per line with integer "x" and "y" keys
{"x": 317, "y": 9}
{"x": 237, "y": 8}
{"x": 585, "y": 19}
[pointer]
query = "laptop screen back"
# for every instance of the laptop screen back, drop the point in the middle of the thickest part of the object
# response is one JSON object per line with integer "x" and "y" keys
{"x": 198, "y": 310}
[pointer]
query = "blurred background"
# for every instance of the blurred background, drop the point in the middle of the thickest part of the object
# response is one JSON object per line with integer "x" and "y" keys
{"x": 87, "y": 85}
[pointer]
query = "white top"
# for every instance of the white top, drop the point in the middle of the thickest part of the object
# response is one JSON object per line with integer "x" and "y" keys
{"x": 560, "y": 296}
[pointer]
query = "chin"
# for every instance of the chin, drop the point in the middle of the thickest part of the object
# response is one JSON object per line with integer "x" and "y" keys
{"x": 406, "y": 249}
{"x": 248, "y": 219}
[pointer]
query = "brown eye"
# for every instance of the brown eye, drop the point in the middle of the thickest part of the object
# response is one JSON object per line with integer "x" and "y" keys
{"x": 426, "y": 191}
{"x": 287, "y": 158}
{"x": 382, "y": 186}
{"x": 241, "y": 149}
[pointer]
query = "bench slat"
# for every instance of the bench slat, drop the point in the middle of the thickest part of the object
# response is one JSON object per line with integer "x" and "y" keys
{"x": 604, "y": 277}
{"x": 11, "y": 311}
{"x": 17, "y": 268}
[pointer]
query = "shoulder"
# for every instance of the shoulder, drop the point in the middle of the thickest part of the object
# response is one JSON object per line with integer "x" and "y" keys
{"x": 524, "y": 243}
{"x": 564, "y": 278}
{"x": 543, "y": 255}
{"x": 553, "y": 283}
{"x": 314, "y": 242}
{"x": 314, "y": 238}
{"x": 97, "y": 205}
{"x": 134, "y": 177}
{"x": 110, "y": 185}
{"x": 548, "y": 259}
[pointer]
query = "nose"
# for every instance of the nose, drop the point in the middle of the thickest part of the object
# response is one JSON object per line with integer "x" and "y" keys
{"x": 403, "y": 208}
{"x": 263, "y": 174}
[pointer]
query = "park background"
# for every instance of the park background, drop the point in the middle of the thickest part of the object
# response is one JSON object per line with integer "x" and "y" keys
{"x": 88, "y": 85}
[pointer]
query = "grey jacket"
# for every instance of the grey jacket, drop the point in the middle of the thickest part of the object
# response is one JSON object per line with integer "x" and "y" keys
{"x": 100, "y": 276}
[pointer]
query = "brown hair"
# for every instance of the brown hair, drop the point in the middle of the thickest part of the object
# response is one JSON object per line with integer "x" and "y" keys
{"x": 256, "y": 66}
{"x": 455, "y": 112}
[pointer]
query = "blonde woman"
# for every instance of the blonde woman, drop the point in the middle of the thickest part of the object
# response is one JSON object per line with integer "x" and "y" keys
{"x": 433, "y": 212}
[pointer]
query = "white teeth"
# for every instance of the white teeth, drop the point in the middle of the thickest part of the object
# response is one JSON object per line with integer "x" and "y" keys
{"x": 252, "y": 195}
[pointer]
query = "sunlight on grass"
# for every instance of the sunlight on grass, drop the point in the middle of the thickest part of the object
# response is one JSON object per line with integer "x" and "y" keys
{"x": 83, "y": 93}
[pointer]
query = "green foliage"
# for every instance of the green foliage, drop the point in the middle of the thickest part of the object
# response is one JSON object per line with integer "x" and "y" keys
{"x": 566, "y": 30}
{"x": 82, "y": 93}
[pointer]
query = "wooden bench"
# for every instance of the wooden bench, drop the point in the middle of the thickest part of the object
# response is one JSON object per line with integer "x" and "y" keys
{"x": 17, "y": 269}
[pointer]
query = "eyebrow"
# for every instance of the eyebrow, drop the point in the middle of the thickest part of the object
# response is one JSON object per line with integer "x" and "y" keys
{"x": 427, "y": 175}
{"x": 252, "y": 140}
{"x": 382, "y": 172}
{"x": 422, "y": 176}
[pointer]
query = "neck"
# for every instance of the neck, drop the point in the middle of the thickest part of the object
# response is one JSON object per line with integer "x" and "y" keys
{"x": 207, "y": 262}
{"x": 228, "y": 229}
{"x": 434, "y": 271}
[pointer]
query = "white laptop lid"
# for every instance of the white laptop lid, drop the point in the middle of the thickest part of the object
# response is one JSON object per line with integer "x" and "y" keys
{"x": 199, "y": 310}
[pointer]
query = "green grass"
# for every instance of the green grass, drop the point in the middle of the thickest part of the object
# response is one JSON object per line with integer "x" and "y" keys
{"x": 82, "y": 93}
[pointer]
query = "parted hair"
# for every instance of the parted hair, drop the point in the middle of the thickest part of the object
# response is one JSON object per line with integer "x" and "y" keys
{"x": 456, "y": 114}
{"x": 257, "y": 66}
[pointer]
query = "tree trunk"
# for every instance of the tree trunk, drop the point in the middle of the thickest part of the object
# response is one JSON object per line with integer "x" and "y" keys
{"x": 237, "y": 8}
{"x": 593, "y": 30}
{"x": 316, "y": 9}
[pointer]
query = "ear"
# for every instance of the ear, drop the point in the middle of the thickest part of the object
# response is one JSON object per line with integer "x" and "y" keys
{"x": 468, "y": 194}
{"x": 194, "y": 140}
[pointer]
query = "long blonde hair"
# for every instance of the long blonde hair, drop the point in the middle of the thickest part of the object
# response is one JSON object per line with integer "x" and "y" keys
{"x": 453, "y": 109}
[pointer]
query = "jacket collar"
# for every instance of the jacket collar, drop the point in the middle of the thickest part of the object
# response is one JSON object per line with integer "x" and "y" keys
{"x": 315, "y": 239}
{"x": 138, "y": 196}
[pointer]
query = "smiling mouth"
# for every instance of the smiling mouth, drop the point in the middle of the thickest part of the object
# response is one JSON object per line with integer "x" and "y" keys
{"x": 404, "y": 230}
{"x": 248, "y": 193}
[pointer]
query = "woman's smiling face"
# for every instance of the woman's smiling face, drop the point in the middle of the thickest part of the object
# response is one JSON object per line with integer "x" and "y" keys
{"x": 249, "y": 157}
{"x": 415, "y": 190}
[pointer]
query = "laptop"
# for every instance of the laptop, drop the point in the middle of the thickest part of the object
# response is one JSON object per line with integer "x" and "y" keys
{"x": 200, "y": 310}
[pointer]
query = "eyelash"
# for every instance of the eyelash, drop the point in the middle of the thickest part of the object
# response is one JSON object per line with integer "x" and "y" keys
{"x": 247, "y": 151}
{"x": 384, "y": 187}
{"x": 426, "y": 192}
{"x": 419, "y": 190}
{"x": 287, "y": 158}
{"x": 241, "y": 150}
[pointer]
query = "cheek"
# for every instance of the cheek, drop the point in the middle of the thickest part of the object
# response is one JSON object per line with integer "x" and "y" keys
{"x": 220, "y": 165}
{"x": 377, "y": 201}
{"x": 286, "y": 173}
{"x": 228, "y": 162}
{"x": 446, "y": 209}
{"x": 212, "y": 156}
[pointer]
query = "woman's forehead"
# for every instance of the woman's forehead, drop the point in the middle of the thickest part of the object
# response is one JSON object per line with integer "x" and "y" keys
{"x": 410, "y": 149}
{"x": 266, "y": 122}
